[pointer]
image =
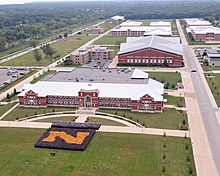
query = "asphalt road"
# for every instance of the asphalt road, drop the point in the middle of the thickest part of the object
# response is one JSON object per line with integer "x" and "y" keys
{"x": 207, "y": 110}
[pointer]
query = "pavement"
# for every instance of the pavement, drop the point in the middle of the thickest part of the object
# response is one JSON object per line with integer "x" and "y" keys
{"x": 201, "y": 119}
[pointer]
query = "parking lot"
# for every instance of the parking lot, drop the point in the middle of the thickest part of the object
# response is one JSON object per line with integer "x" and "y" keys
{"x": 9, "y": 75}
{"x": 98, "y": 64}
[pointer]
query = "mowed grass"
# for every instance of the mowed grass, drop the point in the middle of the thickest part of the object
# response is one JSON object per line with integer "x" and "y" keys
{"x": 63, "y": 47}
{"x": 110, "y": 40}
{"x": 108, "y": 26}
{"x": 171, "y": 77}
{"x": 115, "y": 48}
{"x": 64, "y": 118}
{"x": 177, "y": 101}
{"x": 22, "y": 112}
{"x": 168, "y": 119}
{"x": 5, "y": 108}
{"x": 214, "y": 84}
{"x": 108, "y": 154}
{"x": 104, "y": 121}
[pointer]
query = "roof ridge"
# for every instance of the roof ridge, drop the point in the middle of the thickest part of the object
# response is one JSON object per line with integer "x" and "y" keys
{"x": 152, "y": 37}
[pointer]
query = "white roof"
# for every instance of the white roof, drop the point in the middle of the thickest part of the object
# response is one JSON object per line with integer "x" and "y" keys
{"x": 139, "y": 74}
{"x": 160, "y": 23}
{"x": 197, "y": 22}
{"x": 111, "y": 90}
{"x": 118, "y": 17}
{"x": 205, "y": 29}
{"x": 144, "y": 28}
{"x": 167, "y": 44}
{"x": 131, "y": 23}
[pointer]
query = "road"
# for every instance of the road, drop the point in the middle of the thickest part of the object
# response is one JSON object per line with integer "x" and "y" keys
{"x": 202, "y": 109}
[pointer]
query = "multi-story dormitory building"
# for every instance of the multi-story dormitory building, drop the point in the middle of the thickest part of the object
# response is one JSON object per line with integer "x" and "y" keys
{"x": 95, "y": 88}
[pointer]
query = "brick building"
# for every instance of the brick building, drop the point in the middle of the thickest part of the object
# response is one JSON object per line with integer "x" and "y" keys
{"x": 152, "y": 51}
{"x": 96, "y": 30}
{"x": 197, "y": 22}
{"x": 92, "y": 52}
{"x": 95, "y": 88}
{"x": 205, "y": 33}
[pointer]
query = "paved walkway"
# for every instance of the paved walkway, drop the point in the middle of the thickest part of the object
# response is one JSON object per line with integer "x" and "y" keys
{"x": 201, "y": 147}
{"x": 136, "y": 130}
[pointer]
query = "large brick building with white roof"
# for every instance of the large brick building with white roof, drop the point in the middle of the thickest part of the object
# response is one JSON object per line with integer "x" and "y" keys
{"x": 151, "y": 51}
{"x": 95, "y": 88}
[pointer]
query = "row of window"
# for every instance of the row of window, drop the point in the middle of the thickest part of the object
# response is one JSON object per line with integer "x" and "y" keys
{"x": 149, "y": 61}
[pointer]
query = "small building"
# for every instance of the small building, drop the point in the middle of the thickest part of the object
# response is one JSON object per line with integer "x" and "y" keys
{"x": 151, "y": 51}
{"x": 92, "y": 52}
{"x": 129, "y": 23}
{"x": 213, "y": 59}
{"x": 160, "y": 24}
{"x": 97, "y": 30}
{"x": 115, "y": 19}
{"x": 205, "y": 33}
{"x": 95, "y": 88}
{"x": 197, "y": 22}
{"x": 142, "y": 31}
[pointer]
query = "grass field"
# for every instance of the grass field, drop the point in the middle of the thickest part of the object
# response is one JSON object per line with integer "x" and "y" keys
{"x": 63, "y": 47}
{"x": 108, "y": 154}
{"x": 22, "y": 112}
{"x": 177, "y": 101}
{"x": 214, "y": 84}
{"x": 66, "y": 118}
{"x": 168, "y": 119}
{"x": 108, "y": 26}
{"x": 115, "y": 48}
{"x": 172, "y": 77}
{"x": 42, "y": 76}
{"x": 104, "y": 121}
{"x": 5, "y": 108}
{"x": 110, "y": 40}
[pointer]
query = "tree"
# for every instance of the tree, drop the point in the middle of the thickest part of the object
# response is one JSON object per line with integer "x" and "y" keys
{"x": 164, "y": 134}
{"x": 65, "y": 35}
{"x": 34, "y": 43}
{"x": 164, "y": 169}
{"x": 190, "y": 171}
{"x": 37, "y": 55}
{"x": 184, "y": 122}
{"x": 15, "y": 91}
{"x": 48, "y": 50}
{"x": 2, "y": 43}
{"x": 164, "y": 157}
{"x": 8, "y": 96}
{"x": 187, "y": 146}
{"x": 68, "y": 62}
{"x": 188, "y": 158}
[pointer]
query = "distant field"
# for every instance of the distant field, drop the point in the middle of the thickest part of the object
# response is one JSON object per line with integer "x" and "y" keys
{"x": 22, "y": 112}
{"x": 168, "y": 119}
{"x": 108, "y": 154}
{"x": 110, "y": 40}
{"x": 214, "y": 84}
{"x": 172, "y": 77}
{"x": 63, "y": 47}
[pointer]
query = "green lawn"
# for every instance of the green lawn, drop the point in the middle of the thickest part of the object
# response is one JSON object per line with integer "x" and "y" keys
{"x": 214, "y": 84}
{"x": 64, "y": 118}
{"x": 63, "y": 47}
{"x": 42, "y": 76}
{"x": 168, "y": 119}
{"x": 5, "y": 108}
{"x": 115, "y": 48}
{"x": 22, "y": 112}
{"x": 104, "y": 121}
{"x": 172, "y": 77}
{"x": 177, "y": 101}
{"x": 108, "y": 154}
{"x": 110, "y": 40}
{"x": 108, "y": 26}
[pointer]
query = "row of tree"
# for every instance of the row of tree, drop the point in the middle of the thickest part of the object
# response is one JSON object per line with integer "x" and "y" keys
{"x": 47, "y": 50}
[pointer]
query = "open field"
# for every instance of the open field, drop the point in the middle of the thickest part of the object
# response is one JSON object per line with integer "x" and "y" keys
{"x": 22, "y": 112}
{"x": 5, "y": 108}
{"x": 110, "y": 40}
{"x": 177, "y": 101}
{"x": 42, "y": 76}
{"x": 104, "y": 121}
{"x": 108, "y": 154}
{"x": 66, "y": 118}
{"x": 168, "y": 119}
{"x": 171, "y": 77}
{"x": 214, "y": 84}
{"x": 108, "y": 26}
{"x": 63, "y": 47}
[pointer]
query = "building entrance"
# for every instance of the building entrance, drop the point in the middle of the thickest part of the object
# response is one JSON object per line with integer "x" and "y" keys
{"x": 88, "y": 102}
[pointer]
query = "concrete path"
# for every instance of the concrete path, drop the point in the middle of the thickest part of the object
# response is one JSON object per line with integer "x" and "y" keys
{"x": 201, "y": 148}
{"x": 136, "y": 130}
{"x": 50, "y": 116}
{"x": 6, "y": 113}
{"x": 174, "y": 107}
